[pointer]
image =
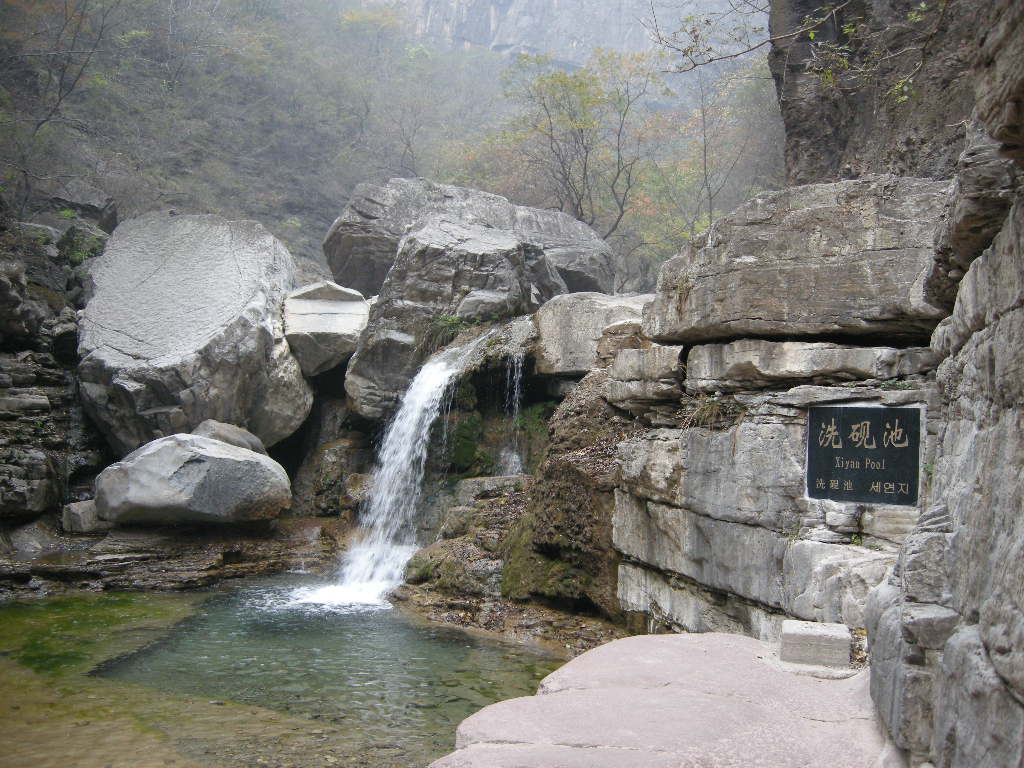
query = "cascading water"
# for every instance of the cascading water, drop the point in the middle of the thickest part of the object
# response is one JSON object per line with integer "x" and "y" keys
{"x": 510, "y": 459}
{"x": 375, "y": 564}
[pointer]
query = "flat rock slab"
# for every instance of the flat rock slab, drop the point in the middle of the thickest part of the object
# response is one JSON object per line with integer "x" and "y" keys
{"x": 754, "y": 364}
{"x": 687, "y": 701}
{"x": 848, "y": 258}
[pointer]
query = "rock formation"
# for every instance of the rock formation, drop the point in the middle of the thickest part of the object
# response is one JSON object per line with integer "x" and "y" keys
{"x": 362, "y": 243}
{"x": 447, "y": 274}
{"x": 569, "y": 32}
{"x": 322, "y": 323}
{"x": 855, "y": 122}
{"x": 947, "y": 630}
{"x": 569, "y": 328}
{"x": 185, "y": 325}
{"x": 819, "y": 260}
{"x": 182, "y": 479}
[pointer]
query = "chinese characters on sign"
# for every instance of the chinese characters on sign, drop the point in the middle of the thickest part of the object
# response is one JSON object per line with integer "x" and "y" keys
{"x": 864, "y": 454}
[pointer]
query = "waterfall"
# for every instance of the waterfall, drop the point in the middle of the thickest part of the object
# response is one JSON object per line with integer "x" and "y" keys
{"x": 510, "y": 459}
{"x": 374, "y": 565}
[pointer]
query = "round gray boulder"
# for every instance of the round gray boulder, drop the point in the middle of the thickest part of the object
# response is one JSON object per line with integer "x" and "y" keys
{"x": 191, "y": 479}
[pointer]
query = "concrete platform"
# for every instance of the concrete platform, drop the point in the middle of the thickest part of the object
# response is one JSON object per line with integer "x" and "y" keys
{"x": 678, "y": 701}
{"x": 810, "y": 642}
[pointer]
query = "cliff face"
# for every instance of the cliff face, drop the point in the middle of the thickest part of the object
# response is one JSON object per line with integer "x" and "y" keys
{"x": 947, "y": 630}
{"x": 863, "y": 122}
{"x": 567, "y": 29}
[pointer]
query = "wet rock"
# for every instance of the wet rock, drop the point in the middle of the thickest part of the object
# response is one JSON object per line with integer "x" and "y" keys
{"x": 323, "y": 323}
{"x": 446, "y": 276}
{"x": 362, "y": 243}
{"x": 571, "y": 326}
{"x": 468, "y": 558}
{"x": 561, "y": 548}
{"x": 826, "y": 259}
{"x": 755, "y": 364}
{"x": 330, "y": 480}
{"x": 34, "y": 538}
{"x": 178, "y": 558}
{"x": 185, "y": 326}
{"x": 191, "y": 479}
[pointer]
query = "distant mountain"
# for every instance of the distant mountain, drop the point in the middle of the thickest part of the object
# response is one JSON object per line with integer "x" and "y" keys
{"x": 569, "y": 30}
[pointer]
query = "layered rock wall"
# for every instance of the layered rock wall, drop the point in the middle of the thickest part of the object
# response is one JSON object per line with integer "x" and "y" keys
{"x": 947, "y": 630}
{"x": 713, "y": 518}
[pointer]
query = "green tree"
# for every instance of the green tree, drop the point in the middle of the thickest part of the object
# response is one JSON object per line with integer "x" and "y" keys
{"x": 48, "y": 48}
{"x": 583, "y": 133}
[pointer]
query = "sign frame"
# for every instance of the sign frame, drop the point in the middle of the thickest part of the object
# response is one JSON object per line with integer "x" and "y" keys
{"x": 864, "y": 453}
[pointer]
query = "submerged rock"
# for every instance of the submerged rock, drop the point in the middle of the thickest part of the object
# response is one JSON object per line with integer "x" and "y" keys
{"x": 362, "y": 243}
{"x": 191, "y": 479}
{"x": 185, "y": 325}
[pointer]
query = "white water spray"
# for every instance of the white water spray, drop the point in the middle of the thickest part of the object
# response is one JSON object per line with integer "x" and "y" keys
{"x": 510, "y": 459}
{"x": 376, "y": 563}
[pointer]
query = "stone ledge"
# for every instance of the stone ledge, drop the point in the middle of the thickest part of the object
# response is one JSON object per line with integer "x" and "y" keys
{"x": 712, "y": 700}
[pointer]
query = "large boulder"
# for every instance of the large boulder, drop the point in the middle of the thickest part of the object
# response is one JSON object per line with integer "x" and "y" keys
{"x": 191, "y": 479}
{"x": 570, "y": 328}
{"x": 362, "y": 243}
{"x": 844, "y": 259}
{"x": 322, "y": 323}
{"x": 185, "y": 325}
{"x": 447, "y": 275}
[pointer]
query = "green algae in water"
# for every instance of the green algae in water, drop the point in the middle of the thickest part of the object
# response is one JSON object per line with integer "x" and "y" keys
{"x": 384, "y": 680}
{"x": 66, "y": 635}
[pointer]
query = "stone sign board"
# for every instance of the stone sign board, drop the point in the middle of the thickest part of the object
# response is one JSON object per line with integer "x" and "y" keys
{"x": 864, "y": 454}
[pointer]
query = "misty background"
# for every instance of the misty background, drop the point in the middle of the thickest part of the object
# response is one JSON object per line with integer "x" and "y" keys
{"x": 276, "y": 109}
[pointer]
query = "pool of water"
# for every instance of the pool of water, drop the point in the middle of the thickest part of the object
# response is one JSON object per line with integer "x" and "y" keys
{"x": 380, "y": 681}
